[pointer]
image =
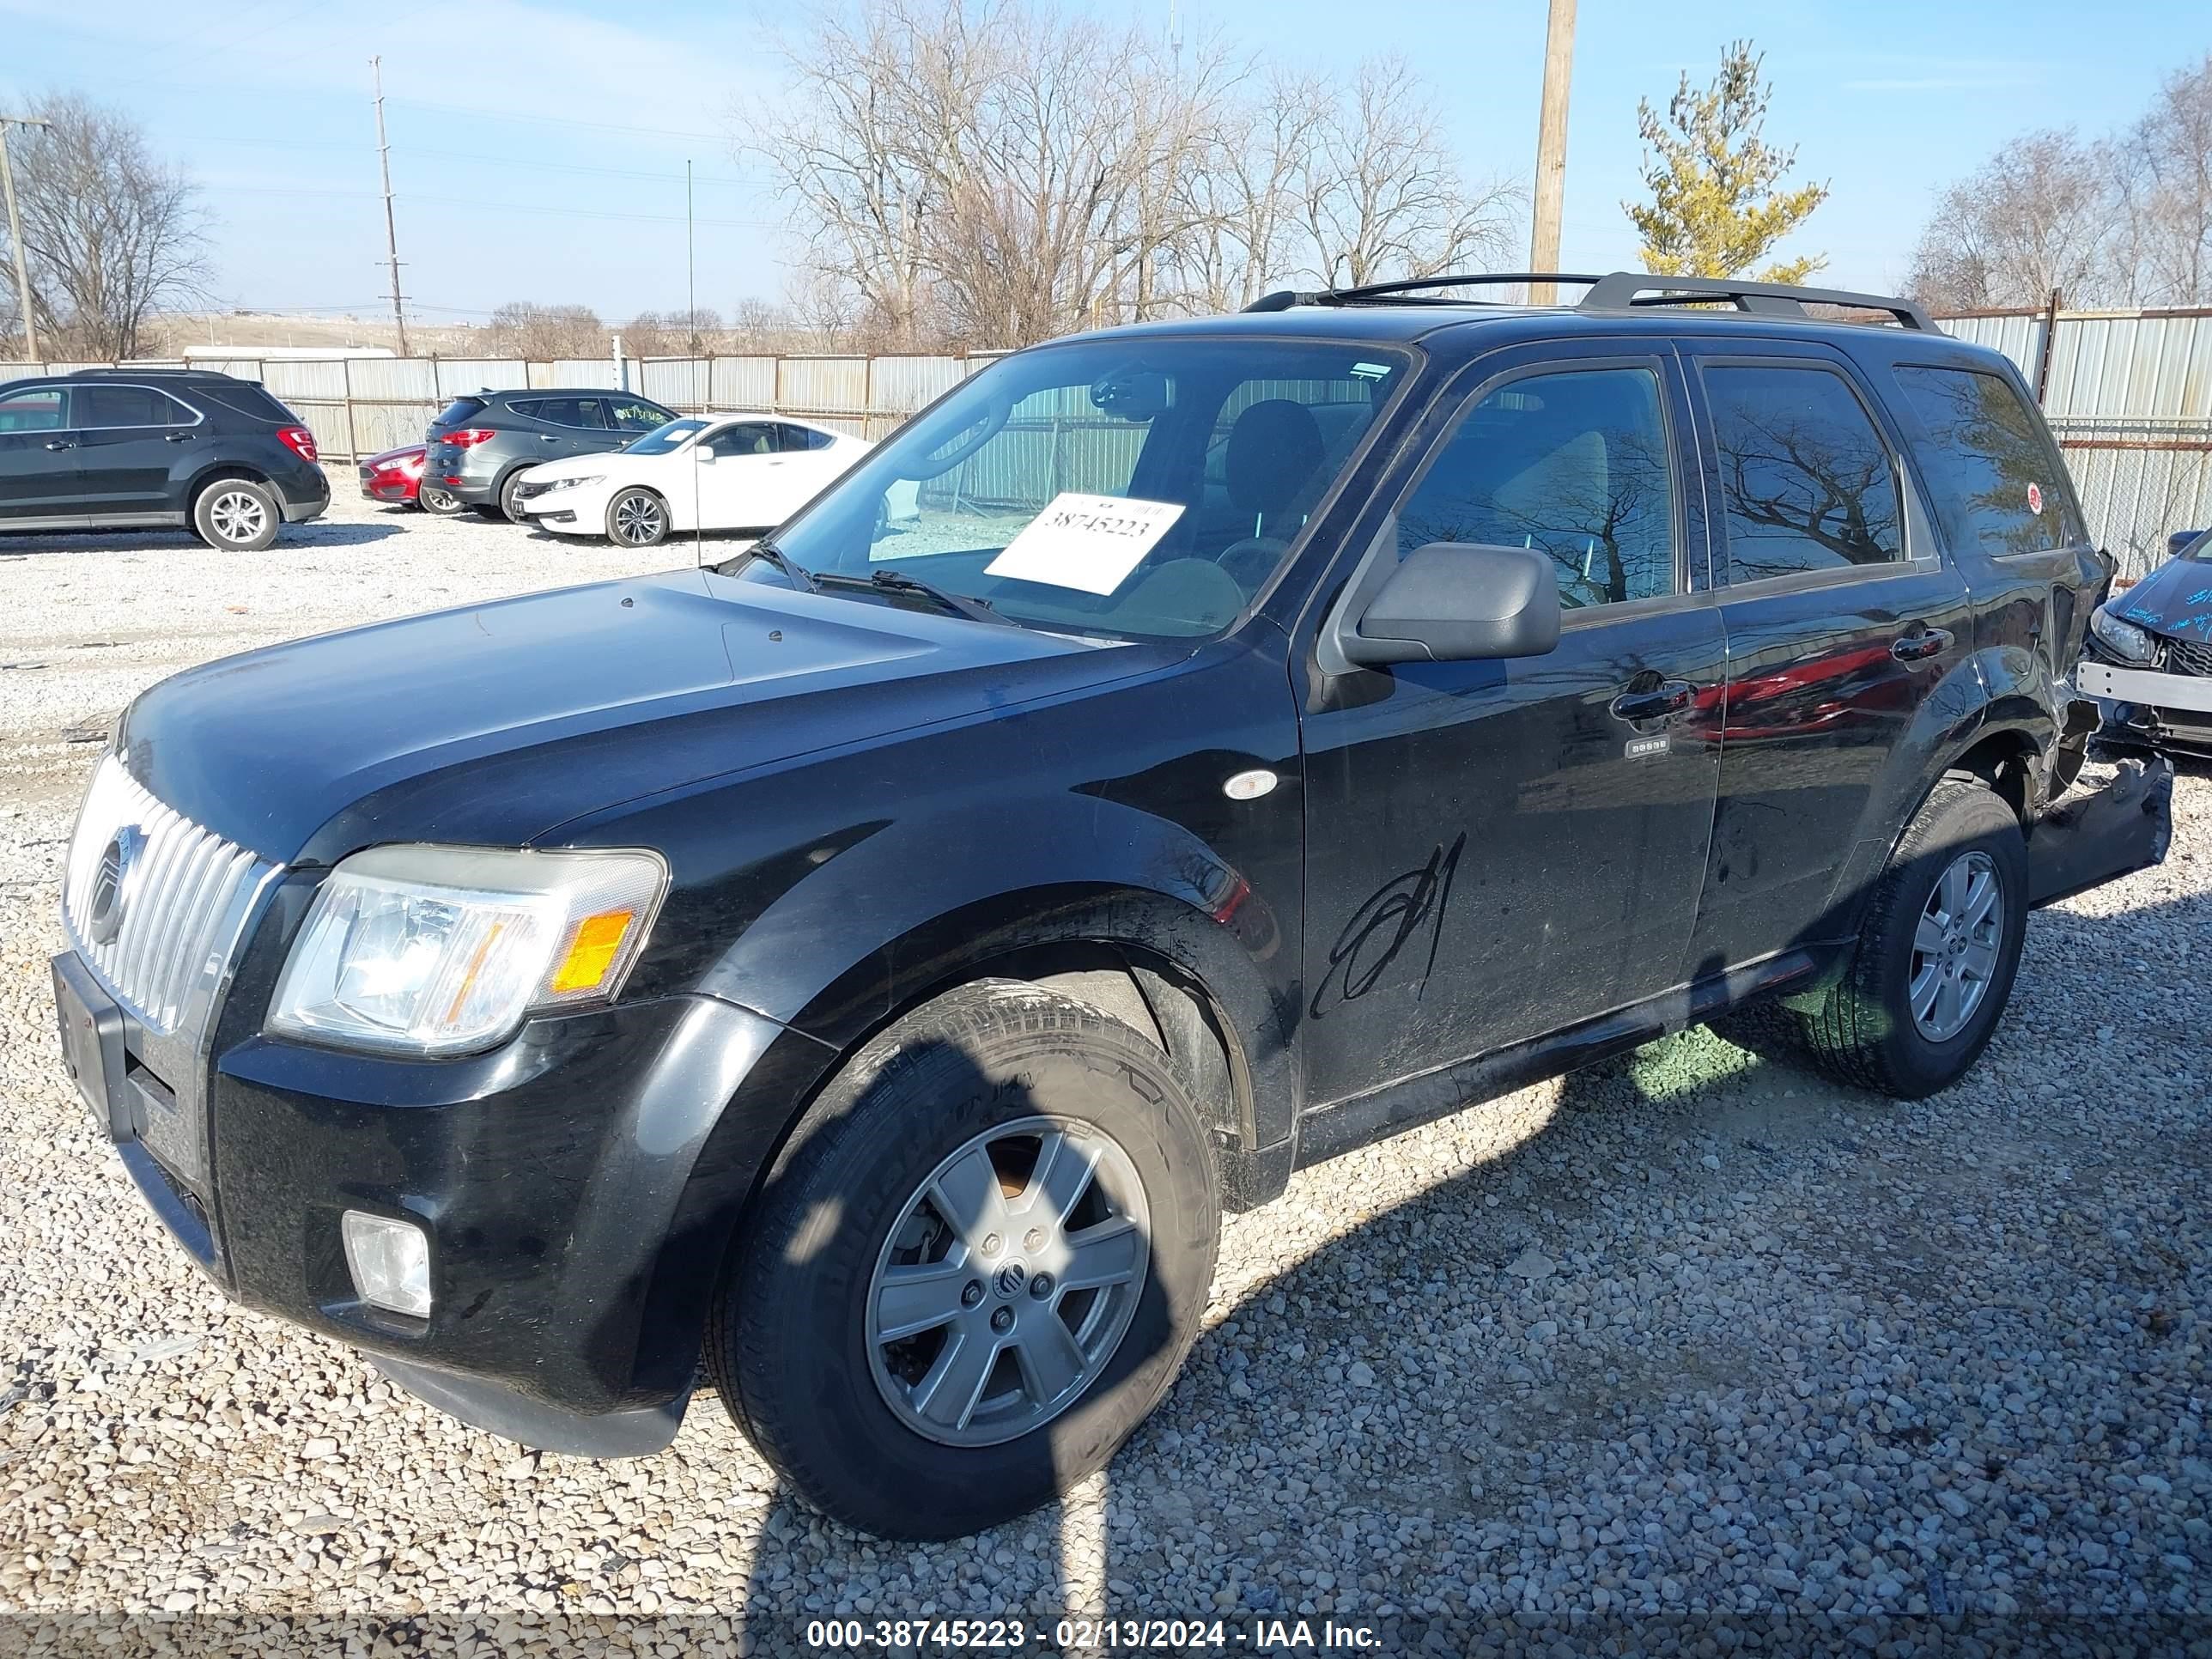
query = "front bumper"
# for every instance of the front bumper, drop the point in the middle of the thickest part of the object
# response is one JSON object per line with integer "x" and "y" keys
{"x": 2147, "y": 712}
{"x": 2085, "y": 842}
{"x": 551, "y": 1176}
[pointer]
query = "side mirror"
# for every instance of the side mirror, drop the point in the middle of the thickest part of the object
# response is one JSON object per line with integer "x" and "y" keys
{"x": 1459, "y": 602}
{"x": 2177, "y": 543}
{"x": 705, "y": 457}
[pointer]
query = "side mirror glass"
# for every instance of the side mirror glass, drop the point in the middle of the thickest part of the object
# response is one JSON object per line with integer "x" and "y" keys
{"x": 2177, "y": 543}
{"x": 1459, "y": 602}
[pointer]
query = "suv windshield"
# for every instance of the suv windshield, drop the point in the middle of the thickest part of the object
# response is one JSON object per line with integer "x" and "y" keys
{"x": 1138, "y": 488}
{"x": 661, "y": 440}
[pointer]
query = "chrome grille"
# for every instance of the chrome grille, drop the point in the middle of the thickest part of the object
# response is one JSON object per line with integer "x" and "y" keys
{"x": 185, "y": 896}
{"x": 2188, "y": 656}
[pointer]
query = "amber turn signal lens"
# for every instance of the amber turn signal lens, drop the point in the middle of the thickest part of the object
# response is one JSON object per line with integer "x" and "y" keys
{"x": 599, "y": 940}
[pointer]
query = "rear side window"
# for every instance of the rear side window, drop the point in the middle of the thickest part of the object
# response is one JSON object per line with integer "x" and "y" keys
{"x": 458, "y": 412}
{"x": 1575, "y": 465}
{"x": 1992, "y": 466}
{"x": 587, "y": 412}
{"x": 39, "y": 410}
{"x": 1805, "y": 480}
{"x": 129, "y": 406}
{"x": 792, "y": 440}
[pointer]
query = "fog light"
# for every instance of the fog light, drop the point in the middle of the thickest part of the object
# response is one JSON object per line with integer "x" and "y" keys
{"x": 390, "y": 1261}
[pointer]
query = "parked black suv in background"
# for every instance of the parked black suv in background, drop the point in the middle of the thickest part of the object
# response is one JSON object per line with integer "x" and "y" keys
{"x": 479, "y": 446}
{"x": 127, "y": 448}
{"x": 878, "y": 959}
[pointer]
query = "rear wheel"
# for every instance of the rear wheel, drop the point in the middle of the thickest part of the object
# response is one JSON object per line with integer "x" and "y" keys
{"x": 977, "y": 1268}
{"x": 1934, "y": 965}
{"x": 439, "y": 503}
{"x": 637, "y": 518}
{"x": 510, "y": 500}
{"x": 236, "y": 514}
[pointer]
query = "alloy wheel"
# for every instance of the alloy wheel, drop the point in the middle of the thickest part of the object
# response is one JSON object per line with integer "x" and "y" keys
{"x": 237, "y": 516}
{"x": 1955, "y": 946}
{"x": 1008, "y": 1281}
{"x": 638, "y": 519}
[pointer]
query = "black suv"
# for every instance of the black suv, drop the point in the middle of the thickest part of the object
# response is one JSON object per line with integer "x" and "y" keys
{"x": 126, "y": 448}
{"x": 878, "y": 959}
{"x": 478, "y": 448}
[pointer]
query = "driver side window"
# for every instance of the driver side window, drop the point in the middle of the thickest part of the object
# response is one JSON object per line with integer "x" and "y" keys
{"x": 1573, "y": 463}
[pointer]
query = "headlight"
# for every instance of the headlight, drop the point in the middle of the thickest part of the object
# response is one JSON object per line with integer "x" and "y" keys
{"x": 2124, "y": 638}
{"x": 442, "y": 950}
{"x": 570, "y": 483}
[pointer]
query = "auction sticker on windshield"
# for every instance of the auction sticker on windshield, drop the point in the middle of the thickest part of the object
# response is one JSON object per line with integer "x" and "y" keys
{"x": 1086, "y": 542}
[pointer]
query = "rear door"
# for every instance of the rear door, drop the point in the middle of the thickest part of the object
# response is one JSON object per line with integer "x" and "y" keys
{"x": 1499, "y": 850}
{"x": 1843, "y": 620}
{"x": 40, "y": 477}
{"x": 129, "y": 439}
{"x": 571, "y": 426}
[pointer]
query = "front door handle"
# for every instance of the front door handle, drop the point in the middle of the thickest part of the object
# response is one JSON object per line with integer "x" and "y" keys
{"x": 547, "y": 438}
{"x": 177, "y": 437}
{"x": 1921, "y": 644}
{"x": 62, "y": 443}
{"x": 1667, "y": 697}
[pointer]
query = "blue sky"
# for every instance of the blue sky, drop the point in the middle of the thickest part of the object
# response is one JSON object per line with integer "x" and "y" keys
{"x": 538, "y": 149}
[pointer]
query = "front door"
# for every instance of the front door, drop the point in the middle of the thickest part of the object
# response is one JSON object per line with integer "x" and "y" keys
{"x": 740, "y": 489}
{"x": 40, "y": 477}
{"x": 129, "y": 438}
{"x": 1496, "y": 850}
{"x": 1843, "y": 620}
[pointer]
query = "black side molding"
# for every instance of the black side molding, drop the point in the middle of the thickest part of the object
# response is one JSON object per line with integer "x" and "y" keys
{"x": 2125, "y": 826}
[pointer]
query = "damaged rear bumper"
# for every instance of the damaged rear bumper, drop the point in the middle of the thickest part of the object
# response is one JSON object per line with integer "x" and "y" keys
{"x": 2085, "y": 842}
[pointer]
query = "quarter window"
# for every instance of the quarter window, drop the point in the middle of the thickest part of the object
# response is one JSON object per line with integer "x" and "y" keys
{"x": 793, "y": 440}
{"x": 1992, "y": 466}
{"x": 32, "y": 411}
{"x": 1805, "y": 478}
{"x": 1575, "y": 465}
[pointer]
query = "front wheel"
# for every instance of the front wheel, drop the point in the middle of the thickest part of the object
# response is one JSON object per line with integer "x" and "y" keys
{"x": 637, "y": 518}
{"x": 1928, "y": 979}
{"x": 236, "y": 514}
{"x": 977, "y": 1268}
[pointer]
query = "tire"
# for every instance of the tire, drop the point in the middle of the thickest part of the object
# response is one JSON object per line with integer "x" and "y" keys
{"x": 438, "y": 502}
{"x": 637, "y": 518}
{"x": 1869, "y": 1029}
{"x": 237, "y": 516}
{"x": 509, "y": 509}
{"x": 849, "y": 1419}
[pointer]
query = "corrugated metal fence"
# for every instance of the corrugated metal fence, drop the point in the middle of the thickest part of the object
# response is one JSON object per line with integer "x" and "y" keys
{"x": 2128, "y": 395}
{"x": 358, "y": 406}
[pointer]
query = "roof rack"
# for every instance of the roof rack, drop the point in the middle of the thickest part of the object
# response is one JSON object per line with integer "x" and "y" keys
{"x": 1409, "y": 292}
{"x": 147, "y": 371}
{"x": 1624, "y": 290}
{"x": 1621, "y": 290}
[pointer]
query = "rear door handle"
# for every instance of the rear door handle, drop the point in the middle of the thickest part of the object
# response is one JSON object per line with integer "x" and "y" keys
{"x": 177, "y": 437}
{"x": 1667, "y": 697}
{"x": 62, "y": 443}
{"x": 1921, "y": 644}
{"x": 547, "y": 438}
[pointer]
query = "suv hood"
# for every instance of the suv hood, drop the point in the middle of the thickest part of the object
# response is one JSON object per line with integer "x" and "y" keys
{"x": 495, "y": 724}
{"x": 2174, "y": 600}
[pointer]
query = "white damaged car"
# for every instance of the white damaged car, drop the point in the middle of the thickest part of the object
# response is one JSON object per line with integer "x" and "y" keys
{"x": 703, "y": 472}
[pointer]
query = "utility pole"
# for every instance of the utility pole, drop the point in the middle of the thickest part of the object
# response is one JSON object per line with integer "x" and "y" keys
{"x": 690, "y": 264}
{"x": 391, "y": 230}
{"x": 1551, "y": 150}
{"x": 15, "y": 231}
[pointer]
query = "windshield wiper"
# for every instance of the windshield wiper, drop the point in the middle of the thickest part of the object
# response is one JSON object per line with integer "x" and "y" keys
{"x": 769, "y": 553}
{"x": 897, "y": 581}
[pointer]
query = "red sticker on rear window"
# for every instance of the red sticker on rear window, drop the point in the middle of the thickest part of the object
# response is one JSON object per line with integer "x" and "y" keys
{"x": 2035, "y": 498}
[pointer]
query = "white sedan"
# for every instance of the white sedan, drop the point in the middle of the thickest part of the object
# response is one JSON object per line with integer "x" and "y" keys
{"x": 704, "y": 472}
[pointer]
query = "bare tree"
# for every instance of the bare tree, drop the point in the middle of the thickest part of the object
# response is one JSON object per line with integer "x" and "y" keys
{"x": 1380, "y": 195}
{"x": 1241, "y": 194}
{"x": 522, "y": 329}
{"x": 112, "y": 235}
{"x": 673, "y": 333}
{"x": 2164, "y": 168}
{"x": 2038, "y": 216}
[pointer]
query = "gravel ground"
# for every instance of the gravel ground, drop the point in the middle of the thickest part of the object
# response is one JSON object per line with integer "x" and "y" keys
{"x": 1694, "y": 1351}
